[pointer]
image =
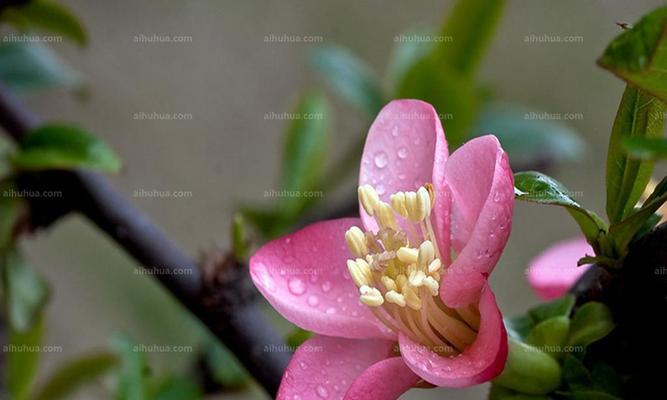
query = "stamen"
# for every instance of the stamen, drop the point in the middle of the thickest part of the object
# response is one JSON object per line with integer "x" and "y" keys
{"x": 425, "y": 255}
{"x": 359, "y": 271}
{"x": 368, "y": 198}
{"x": 370, "y": 296}
{"x": 398, "y": 270}
{"x": 385, "y": 216}
{"x": 407, "y": 255}
{"x": 396, "y": 298}
{"x": 356, "y": 242}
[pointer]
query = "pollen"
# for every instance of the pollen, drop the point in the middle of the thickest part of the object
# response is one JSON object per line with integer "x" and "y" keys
{"x": 398, "y": 271}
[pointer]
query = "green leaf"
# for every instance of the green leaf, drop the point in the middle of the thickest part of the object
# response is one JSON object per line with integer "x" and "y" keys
{"x": 23, "y": 358}
{"x": 240, "y": 244}
{"x": 646, "y": 148}
{"x": 48, "y": 16}
{"x": 539, "y": 188}
{"x": 453, "y": 95}
{"x": 625, "y": 231}
{"x": 298, "y": 336}
{"x": 56, "y": 146}
{"x": 591, "y": 322}
{"x": 501, "y": 393}
{"x": 73, "y": 374}
{"x": 550, "y": 335}
{"x": 26, "y": 292}
{"x": 405, "y": 53}
{"x": 30, "y": 66}
{"x": 304, "y": 153}
{"x": 350, "y": 78}
{"x": 519, "y": 327}
{"x": 225, "y": 368}
{"x": 11, "y": 209}
{"x": 575, "y": 373}
{"x": 561, "y": 307}
{"x": 470, "y": 25}
{"x": 591, "y": 395}
{"x": 607, "y": 380}
{"x": 269, "y": 222}
{"x": 132, "y": 379}
{"x": 178, "y": 389}
{"x": 529, "y": 370}
{"x": 528, "y": 139}
{"x": 639, "y": 54}
{"x": 639, "y": 115}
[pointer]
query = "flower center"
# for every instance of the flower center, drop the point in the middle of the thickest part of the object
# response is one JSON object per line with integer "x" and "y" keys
{"x": 398, "y": 272}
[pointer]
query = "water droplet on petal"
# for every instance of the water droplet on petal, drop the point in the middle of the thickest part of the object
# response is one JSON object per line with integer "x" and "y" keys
{"x": 313, "y": 301}
{"x": 326, "y": 286}
{"x": 331, "y": 310}
{"x": 380, "y": 189}
{"x": 380, "y": 159}
{"x": 394, "y": 131}
{"x": 402, "y": 152}
{"x": 296, "y": 286}
{"x": 322, "y": 391}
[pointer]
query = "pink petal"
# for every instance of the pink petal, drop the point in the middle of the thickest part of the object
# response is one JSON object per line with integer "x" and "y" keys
{"x": 325, "y": 367}
{"x": 482, "y": 361}
{"x": 406, "y": 148}
{"x": 385, "y": 380}
{"x": 304, "y": 277}
{"x": 482, "y": 189}
{"x": 555, "y": 270}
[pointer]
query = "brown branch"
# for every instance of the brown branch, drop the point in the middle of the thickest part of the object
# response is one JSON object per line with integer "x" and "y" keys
{"x": 240, "y": 326}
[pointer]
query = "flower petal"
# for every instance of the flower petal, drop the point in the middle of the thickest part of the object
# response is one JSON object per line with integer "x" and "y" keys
{"x": 385, "y": 380}
{"x": 405, "y": 148}
{"x": 482, "y": 361}
{"x": 304, "y": 277}
{"x": 555, "y": 270}
{"x": 325, "y": 367}
{"x": 481, "y": 184}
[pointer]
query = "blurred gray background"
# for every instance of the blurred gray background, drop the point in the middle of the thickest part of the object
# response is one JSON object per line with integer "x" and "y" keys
{"x": 227, "y": 78}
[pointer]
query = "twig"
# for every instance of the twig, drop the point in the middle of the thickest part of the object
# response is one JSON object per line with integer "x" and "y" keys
{"x": 241, "y": 326}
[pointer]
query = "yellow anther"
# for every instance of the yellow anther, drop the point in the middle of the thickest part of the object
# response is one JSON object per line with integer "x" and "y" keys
{"x": 356, "y": 241}
{"x": 388, "y": 283}
{"x": 407, "y": 255}
{"x": 434, "y": 266}
{"x": 370, "y": 296}
{"x": 385, "y": 216}
{"x": 401, "y": 282}
{"x": 424, "y": 202}
{"x": 369, "y": 198}
{"x": 432, "y": 285}
{"x": 395, "y": 298}
{"x": 411, "y": 206}
{"x": 398, "y": 204}
{"x": 425, "y": 255}
{"x": 412, "y": 298}
{"x": 359, "y": 271}
{"x": 416, "y": 278}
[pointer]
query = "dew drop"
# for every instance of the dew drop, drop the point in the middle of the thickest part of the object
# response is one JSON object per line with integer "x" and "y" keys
{"x": 322, "y": 391}
{"x": 331, "y": 310}
{"x": 313, "y": 301}
{"x": 296, "y": 286}
{"x": 303, "y": 365}
{"x": 380, "y": 159}
{"x": 394, "y": 131}
{"x": 326, "y": 286}
{"x": 380, "y": 189}
{"x": 402, "y": 153}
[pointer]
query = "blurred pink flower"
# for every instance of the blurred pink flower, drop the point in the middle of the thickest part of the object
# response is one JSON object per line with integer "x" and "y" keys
{"x": 413, "y": 307}
{"x": 554, "y": 271}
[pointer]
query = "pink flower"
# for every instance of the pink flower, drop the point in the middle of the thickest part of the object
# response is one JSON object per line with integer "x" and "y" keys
{"x": 396, "y": 298}
{"x": 554, "y": 271}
